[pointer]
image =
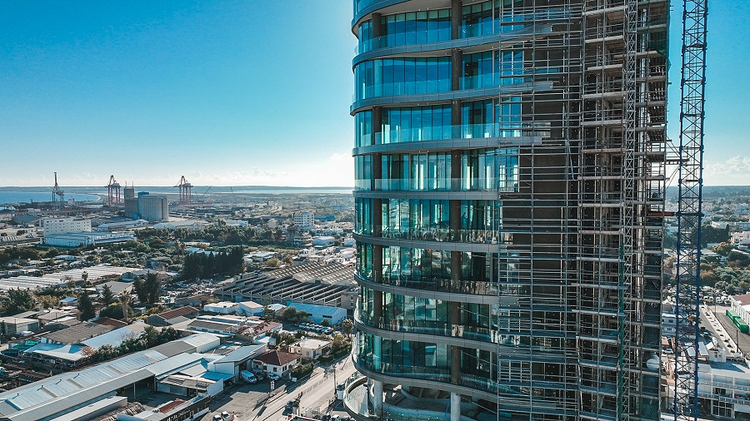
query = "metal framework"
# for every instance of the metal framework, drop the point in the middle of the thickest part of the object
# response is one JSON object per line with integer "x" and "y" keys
{"x": 689, "y": 213}
{"x": 58, "y": 195}
{"x": 113, "y": 191}
{"x": 186, "y": 190}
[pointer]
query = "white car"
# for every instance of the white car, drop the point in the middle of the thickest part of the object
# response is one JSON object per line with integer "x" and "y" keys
{"x": 273, "y": 376}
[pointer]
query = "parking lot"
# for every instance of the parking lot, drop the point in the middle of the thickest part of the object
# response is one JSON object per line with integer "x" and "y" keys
{"x": 242, "y": 399}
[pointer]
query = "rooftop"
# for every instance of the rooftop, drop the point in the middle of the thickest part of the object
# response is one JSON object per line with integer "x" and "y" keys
{"x": 276, "y": 358}
{"x": 178, "y": 312}
{"x": 315, "y": 308}
{"x": 742, "y": 299}
{"x": 78, "y": 333}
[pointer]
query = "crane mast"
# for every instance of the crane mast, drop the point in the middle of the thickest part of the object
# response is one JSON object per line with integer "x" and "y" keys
{"x": 689, "y": 211}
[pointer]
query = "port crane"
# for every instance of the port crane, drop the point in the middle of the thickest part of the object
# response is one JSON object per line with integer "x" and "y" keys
{"x": 113, "y": 191}
{"x": 186, "y": 190}
{"x": 58, "y": 195}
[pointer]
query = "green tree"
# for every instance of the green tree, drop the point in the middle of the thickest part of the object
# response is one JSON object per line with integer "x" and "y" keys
{"x": 113, "y": 311}
{"x": 151, "y": 336}
{"x": 108, "y": 297}
{"x": 347, "y": 326}
{"x": 104, "y": 353}
{"x": 709, "y": 234}
{"x": 724, "y": 248}
{"x": 339, "y": 342}
{"x": 289, "y": 314}
{"x": 86, "y": 307}
{"x": 148, "y": 289}
{"x": 738, "y": 259}
{"x": 273, "y": 262}
{"x": 168, "y": 334}
{"x": 19, "y": 300}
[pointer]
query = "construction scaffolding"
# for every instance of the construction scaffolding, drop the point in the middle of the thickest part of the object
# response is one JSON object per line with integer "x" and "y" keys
{"x": 621, "y": 202}
{"x": 579, "y": 267}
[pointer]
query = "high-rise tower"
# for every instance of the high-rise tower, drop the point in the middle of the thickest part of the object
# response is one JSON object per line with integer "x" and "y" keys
{"x": 509, "y": 193}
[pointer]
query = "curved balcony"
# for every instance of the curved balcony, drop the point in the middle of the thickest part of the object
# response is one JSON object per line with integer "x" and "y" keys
{"x": 407, "y": 94}
{"x": 431, "y": 244}
{"x": 482, "y": 335}
{"x": 475, "y": 236}
{"x": 475, "y": 292}
{"x": 465, "y": 336}
{"x": 472, "y": 36}
{"x": 364, "y": 7}
{"x": 448, "y": 137}
{"x": 440, "y": 184}
{"x": 439, "y": 379}
{"x": 358, "y": 403}
{"x": 514, "y": 397}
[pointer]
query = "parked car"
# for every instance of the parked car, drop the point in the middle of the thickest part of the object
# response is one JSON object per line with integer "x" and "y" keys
{"x": 248, "y": 377}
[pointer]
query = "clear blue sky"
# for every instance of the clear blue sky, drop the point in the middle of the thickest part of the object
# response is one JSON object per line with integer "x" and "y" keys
{"x": 238, "y": 92}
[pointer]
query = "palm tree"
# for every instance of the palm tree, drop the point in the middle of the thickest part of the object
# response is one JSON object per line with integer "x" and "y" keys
{"x": 125, "y": 299}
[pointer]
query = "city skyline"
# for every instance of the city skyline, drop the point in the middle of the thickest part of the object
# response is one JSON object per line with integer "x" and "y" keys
{"x": 149, "y": 92}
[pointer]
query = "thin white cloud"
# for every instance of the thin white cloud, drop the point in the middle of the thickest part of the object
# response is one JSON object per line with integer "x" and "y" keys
{"x": 734, "y": 171}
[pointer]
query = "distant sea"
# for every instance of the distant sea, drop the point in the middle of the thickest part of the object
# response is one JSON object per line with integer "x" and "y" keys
{"x": 10, "y": 196}
{"x": 84, "y": 193}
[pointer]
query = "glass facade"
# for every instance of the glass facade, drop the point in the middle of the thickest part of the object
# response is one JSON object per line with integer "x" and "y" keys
{"x": 489, "y": 205}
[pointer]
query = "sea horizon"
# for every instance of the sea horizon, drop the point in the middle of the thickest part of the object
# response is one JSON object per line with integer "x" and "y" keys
{"x": 29, "y": 194}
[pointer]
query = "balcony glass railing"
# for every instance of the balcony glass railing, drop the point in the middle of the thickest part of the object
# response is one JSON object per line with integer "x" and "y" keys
{"x": 478, "y": 236}
{"x": 427, "y": 327}
{"x": 403, "y": 88}
{"x": 430, "y": 283}
{"x": 439, "y": 184}
{"x": 465, "y": 131}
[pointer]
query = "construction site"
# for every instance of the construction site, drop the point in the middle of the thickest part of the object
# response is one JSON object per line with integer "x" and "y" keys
{"x": 536, "y": 267}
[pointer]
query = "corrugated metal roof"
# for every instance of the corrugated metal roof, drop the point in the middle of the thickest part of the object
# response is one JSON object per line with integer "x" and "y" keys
{"x": 316, "y": 309}
{"x": 242, "y": 353}
{"x": 63, "y": 352}
{"x": 56, "y": 394}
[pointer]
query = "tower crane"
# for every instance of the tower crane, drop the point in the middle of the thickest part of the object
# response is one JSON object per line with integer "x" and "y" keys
{"x": 689, "y": 211}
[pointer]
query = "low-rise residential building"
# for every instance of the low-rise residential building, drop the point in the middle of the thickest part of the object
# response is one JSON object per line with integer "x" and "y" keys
{"x": 251, "y": 308}
{"x": 256, "y": 330}
{"x": 172, "y": 317}
{"x": 237, "y": 360}
{"x": 323, "y": 241}
{"x": 13, "y": 326}
{"x": 668, "y": 324}
{"x": 276, "y": 362}
{"x": 724, "y": 390}
{"x": 67, "y": 302}
{"x": 224, "y": 307}
{"x": 310, "y": 349}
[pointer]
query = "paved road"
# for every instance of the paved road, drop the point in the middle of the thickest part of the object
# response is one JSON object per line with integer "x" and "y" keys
{"x": 316, "y": 393}
{"x": 743, "y": 338}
